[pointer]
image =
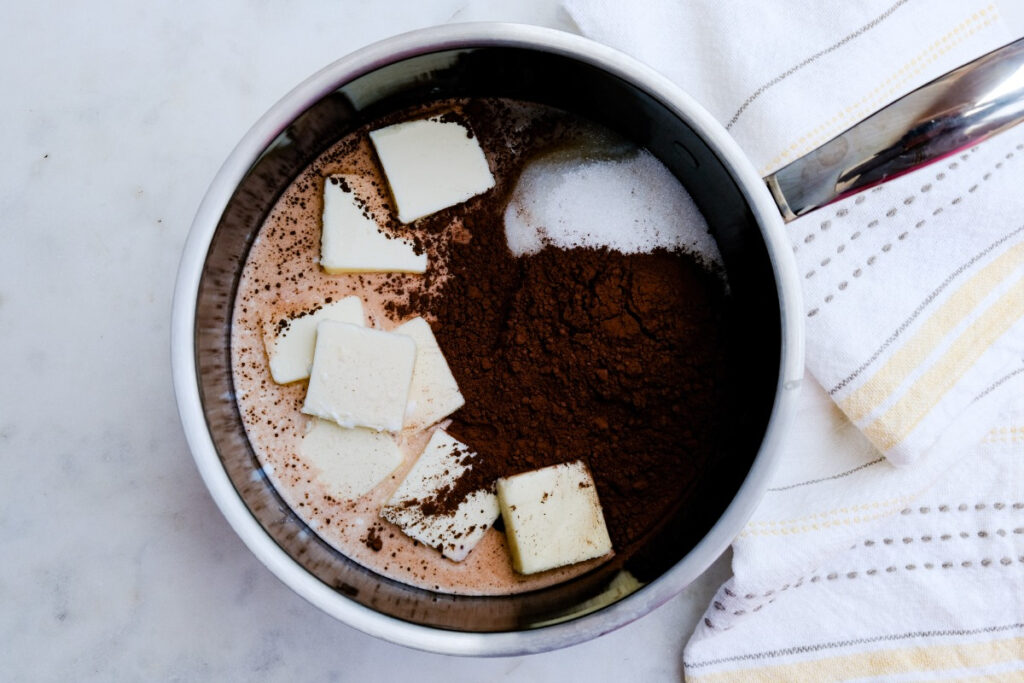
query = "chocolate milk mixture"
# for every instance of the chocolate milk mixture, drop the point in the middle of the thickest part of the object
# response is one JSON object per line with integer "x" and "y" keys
{"x": 580, "y": 353}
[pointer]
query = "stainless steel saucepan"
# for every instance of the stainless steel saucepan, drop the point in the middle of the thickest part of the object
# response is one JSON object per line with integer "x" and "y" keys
{"x": 741, "y": 208}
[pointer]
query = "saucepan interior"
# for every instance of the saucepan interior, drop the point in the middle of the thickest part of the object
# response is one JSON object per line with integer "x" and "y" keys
{"x": 574, "y": 75}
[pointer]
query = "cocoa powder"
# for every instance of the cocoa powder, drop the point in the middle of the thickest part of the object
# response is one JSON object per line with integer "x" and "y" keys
{"x": 615, "y": 359}
{"x": 610, "y": 358}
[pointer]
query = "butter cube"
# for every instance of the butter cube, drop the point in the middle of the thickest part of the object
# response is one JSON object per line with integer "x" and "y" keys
{"x": 552, "y": 517}
{"x": 290, "y": 350}
{"x": 352, "y": 242}
{"x": 360, "y": 377}
{"x": 412, "y": 507}
{"x": 434, "y": 394}
{"x": 431, "y": 164}
{"x": 351, "y": 461}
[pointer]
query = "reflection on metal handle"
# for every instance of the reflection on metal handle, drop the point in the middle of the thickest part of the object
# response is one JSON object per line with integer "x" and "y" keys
{"x": 944, "y": 116}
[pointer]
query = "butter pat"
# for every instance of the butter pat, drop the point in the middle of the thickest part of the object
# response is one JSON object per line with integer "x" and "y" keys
{"x": 552, "y": 517}
{"x": 431, "y": 164}
{"x": 434, "y": 393}
{"x": 351, "y": 461}
{"x": 290, "y": 350}
{"x": 412, "y": 507}
{"x": 360, "y": 377}
{"x": 352, "y": 242}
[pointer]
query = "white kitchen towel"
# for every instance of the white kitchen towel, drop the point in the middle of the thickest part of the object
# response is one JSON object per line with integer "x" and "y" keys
{"x": 914, "y": 307}
{"x": 933, "y": 593}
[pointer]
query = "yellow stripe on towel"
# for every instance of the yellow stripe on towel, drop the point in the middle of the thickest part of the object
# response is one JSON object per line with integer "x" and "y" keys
{"x": 911, "y": 355}
{"x": 880, "y": 663}
{"x": 901, "y": 419}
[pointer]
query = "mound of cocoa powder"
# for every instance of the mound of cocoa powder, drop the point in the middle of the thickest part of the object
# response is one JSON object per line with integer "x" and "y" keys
{"x": 610, "y": 358}
{"x": 619, "y": 360}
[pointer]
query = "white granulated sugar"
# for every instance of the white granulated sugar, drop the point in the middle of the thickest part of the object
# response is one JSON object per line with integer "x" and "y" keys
{"x": 631, "y": 203}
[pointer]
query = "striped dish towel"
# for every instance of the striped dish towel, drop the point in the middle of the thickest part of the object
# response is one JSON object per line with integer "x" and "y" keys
{"x": 891, "y": 543}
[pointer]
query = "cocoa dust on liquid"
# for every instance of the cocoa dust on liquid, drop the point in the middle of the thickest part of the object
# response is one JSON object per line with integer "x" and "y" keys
{"x": 615, "y": 359}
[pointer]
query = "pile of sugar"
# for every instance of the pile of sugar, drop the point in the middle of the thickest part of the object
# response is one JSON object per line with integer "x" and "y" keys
{"x": 629, "y": 202}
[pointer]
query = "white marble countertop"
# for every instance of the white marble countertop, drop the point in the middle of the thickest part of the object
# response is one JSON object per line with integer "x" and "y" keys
{"x": 114, "y": 562}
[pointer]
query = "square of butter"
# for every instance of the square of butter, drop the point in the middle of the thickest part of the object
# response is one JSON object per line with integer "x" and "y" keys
{"x": 290, "y": 349}
{"x": 360, "y": 377}
{"x": 437, "y": 470}
{"x": 350, "y": 462}
{"x": 431, "y": 164}
{"x": 552, "y": 517}
{"x": 351, "y": 241}
{"x": 434, "y": 393}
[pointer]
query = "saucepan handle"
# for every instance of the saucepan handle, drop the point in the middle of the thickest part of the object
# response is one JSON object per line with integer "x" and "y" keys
{"x": 954, "y": 111}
